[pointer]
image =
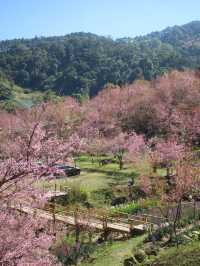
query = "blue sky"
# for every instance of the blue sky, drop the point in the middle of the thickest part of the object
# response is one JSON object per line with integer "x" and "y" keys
{"x": 117, "y": 18}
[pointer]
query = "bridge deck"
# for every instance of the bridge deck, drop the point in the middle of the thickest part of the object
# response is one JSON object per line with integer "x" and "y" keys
{"x": 95, "y": 223}
{"x": 52, "y": 194}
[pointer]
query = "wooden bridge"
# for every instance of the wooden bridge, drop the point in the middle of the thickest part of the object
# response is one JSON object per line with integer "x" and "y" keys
{"x": 122, "y": 223}
{"x": 91, "y": 218}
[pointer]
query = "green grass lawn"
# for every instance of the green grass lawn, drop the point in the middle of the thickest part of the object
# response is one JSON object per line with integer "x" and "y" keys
{"x": 99, "y": 181}
{"x": 95, "y": 178}
{"x": 113, "y": 254}
{"x": 188, "y": 255}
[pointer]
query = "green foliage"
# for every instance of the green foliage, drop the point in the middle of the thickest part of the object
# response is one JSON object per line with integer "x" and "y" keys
{"x": 77, "y": 195}
{"x": 134, "y": 207}
{"x": 13, "y": 96}
{"x": 73, "y": 255}
{"x": 113, "y": 253}
{"x": 69, "y": 253}
{"x": 129, "y": 208}
{"x": 81, "y": 64}
{"x": 159, "y": 234}
{"x": 140, "y": 255}
{"x": 5, "y": 91}
{"x": 8, "y": 105}
{"x": 103, "y": 195}
{"x": 50, "y": 95}
{"x": 7, "y": 101}
{"x": 187, "y": 255}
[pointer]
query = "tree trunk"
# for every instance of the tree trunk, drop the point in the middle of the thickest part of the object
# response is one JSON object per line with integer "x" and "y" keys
{"x": 168, "y": 171}
{"x": 77, "y": 231}
{"x": 121, "y": 163}
{"x": 177, "y": 219}
{"x": 154, "y": 169}
{"x": 194, "y": 210}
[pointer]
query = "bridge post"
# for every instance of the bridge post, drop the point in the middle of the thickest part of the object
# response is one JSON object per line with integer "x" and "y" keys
{"x": 8, "y": 204}
{"x": 34, "y": 213}
{"x": 54, "y": 217}
{"x": 131, "y": 227}
{"x": 77, "y": 229}
{"x": 105, "y": 228}
{"x": 75, "y": 216}
{"x": 20, "y": 208}
{"x": 150, "y": 228}
{"x": 65, "y": 189}
{"x": 104, "y": 222}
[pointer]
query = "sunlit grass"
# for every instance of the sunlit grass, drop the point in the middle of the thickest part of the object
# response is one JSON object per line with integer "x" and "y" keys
{"x": 113, "y": 254}
{"x": 96, "y": 179}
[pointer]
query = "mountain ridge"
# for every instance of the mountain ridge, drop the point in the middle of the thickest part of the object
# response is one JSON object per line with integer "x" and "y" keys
{"x": 83, "y": 63}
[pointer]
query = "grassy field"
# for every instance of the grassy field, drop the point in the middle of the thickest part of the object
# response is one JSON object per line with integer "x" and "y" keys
{"x": 94, "y": 179}
{"x": 101, "y": 183}
{"x": 113, "y": 254}
{"x": 188, "y": 255}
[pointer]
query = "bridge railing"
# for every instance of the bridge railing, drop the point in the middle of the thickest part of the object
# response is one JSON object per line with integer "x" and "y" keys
{"x": 88, "y": 218}
{"x": 56, "y": 188}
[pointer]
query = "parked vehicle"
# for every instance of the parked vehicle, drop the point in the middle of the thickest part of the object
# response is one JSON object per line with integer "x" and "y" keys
{"x": 68, "y": 170}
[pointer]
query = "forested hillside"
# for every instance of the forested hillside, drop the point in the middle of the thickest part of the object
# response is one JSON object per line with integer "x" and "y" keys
{"x": 82, "y": 63}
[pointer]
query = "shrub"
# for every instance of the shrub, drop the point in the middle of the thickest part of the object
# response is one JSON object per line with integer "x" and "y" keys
{"x": 140, "y": 255}
{"x": 129, "y": 261}
{"x": 77, "y": 195}
{"x": 129, "y": 208}
{"x": 134, "y": 207}
{"x": 70, "y": 255}
{"x": 151, "y": 250}
{"x": 103, "y": 195}
{"x": 159, "y": 234}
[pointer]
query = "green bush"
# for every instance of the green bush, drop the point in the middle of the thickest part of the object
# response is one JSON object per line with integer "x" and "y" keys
{"x": 130, "y": 261}
{"x": 77, "y": 195}
{"x": 134, "y": 207}
{"x": 103, "y": 195}
{"x": 129, "y": 208}
{"x": 187, "y": 255}
{"x": 159, "y": 234}
{"x": 151, "y": 250}
{"x": 70, "y": 255}
{"x": 148, "y": 203}
{"x": 140, "y": 255}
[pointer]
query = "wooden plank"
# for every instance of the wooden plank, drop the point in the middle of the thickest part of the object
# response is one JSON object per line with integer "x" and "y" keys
{"x": 52, "y": 194}
{"x": 92, "y": 222}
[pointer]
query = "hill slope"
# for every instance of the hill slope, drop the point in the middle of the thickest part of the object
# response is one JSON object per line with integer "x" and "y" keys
{"x": 84, "y": 62}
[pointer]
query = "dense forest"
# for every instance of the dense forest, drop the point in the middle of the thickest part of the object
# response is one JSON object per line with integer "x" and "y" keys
{"x": 83, "y": 63}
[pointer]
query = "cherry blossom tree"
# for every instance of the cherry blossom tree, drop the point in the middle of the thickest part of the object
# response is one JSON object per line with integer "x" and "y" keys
{"x": 29, "y": 155}
{"x": 21, "y": 241}
{"x": 165, "y": 153}
{"x": 186, "y": 182}
{"x": 124, "y": 144}
{"x": 62, "y": 118}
